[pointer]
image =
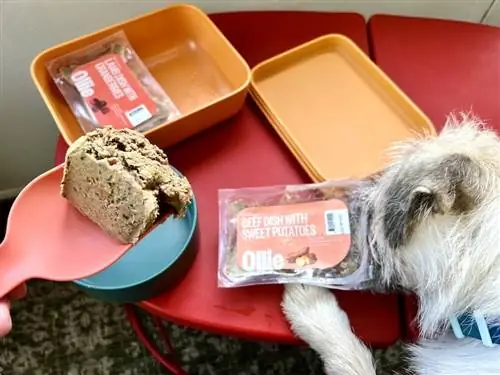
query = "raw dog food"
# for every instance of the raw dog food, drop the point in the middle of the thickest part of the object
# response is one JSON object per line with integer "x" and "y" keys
{"x": 313, "y": 234}
{"x": 122, "y": 182}
{"x": 106, "y": 83}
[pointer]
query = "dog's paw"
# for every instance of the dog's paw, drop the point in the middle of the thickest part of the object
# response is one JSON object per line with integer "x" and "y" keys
{"x": 317, "y": 319}
{"x": 299, "y": 297}
{"x": 311, "y": 309}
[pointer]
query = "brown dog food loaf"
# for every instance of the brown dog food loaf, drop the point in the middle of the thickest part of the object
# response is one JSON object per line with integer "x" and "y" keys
{"x": 122, "y": 182}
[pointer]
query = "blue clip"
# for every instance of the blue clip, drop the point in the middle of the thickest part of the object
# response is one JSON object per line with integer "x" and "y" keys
{"x": 476, "y": 326}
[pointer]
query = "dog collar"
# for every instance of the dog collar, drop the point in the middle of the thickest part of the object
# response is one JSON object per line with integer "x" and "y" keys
{"x": 476, "y": 325}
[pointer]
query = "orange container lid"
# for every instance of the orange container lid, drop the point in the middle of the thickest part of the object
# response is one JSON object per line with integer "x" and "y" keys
{"x": 334, "y": 108}
{"x": 285, "y": 137}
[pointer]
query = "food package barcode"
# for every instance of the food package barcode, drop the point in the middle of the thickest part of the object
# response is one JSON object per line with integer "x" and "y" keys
{"x": 138, "y": 115}
{"x": 337, "y": 222}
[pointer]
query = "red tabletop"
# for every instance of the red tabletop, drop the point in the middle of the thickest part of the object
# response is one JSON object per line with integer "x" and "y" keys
{"x": 245, "y": 151}
{"x": 443, "y": 66}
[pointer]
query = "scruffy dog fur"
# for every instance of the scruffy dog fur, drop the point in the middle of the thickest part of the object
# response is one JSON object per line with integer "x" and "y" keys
{"x": 435, "y": 231}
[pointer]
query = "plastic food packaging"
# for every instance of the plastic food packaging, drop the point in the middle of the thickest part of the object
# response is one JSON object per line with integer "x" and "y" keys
{"x": 106, "y": 83}
{"x": 313, "y": 234}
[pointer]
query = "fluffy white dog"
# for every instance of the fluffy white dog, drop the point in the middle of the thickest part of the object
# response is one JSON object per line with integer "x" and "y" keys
{"x": 435, "y": 231}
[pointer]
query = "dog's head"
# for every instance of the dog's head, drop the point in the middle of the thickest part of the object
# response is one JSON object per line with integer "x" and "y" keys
{"x": 437, "y": 215}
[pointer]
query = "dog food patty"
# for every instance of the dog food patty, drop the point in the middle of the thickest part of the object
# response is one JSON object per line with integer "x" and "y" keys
{"x": 122, "y": 182}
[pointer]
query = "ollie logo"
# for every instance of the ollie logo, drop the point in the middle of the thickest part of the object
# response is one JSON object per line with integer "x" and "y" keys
{"x": 262, "y": 260}
{"x": 83, "y": 83}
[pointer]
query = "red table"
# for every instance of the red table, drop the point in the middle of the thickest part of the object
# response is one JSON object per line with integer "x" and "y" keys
{"x": 245, "y": 151}
{"x": 443, "y": 66}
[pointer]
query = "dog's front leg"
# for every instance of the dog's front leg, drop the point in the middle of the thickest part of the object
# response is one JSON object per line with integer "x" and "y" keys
{"x": 317, "y": 319}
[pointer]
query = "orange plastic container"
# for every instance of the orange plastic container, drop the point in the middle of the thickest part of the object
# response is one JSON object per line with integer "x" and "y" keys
{"x": 192, "y": 60}
{"x": 334, "y": 108}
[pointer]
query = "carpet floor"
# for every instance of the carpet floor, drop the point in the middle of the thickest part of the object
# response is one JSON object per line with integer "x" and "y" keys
{"x": 60, "y": 330}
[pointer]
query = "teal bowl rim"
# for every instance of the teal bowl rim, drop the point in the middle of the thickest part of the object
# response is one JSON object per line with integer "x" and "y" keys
{"x": 192, "y": 206}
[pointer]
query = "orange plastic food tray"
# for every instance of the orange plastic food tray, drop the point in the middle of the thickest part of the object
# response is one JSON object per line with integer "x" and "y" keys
{"x": 334, "y": 108}
{"x": 187, "y": 54}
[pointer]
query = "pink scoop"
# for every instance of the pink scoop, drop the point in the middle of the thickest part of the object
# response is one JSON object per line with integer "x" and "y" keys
{"x": 47, "y": 238}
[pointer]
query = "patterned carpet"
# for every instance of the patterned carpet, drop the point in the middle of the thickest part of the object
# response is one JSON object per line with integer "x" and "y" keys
{"x": 59, "y": 330}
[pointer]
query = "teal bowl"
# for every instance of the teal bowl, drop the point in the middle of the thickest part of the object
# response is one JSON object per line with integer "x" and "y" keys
{"x": 156, "y": 262}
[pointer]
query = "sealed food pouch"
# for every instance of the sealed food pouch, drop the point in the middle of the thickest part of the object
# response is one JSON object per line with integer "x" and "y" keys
{"x": 315, "y": 234}
{"x": 106, "y": 83}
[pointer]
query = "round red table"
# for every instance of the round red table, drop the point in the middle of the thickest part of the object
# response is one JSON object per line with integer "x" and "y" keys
{"x": 245, "y": 151}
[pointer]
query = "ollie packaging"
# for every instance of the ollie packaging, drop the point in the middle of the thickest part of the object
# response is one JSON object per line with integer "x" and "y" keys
{"x": 107, "y": 84}
{"x": 311, "y": 234}
{"x": 113, "y": 93}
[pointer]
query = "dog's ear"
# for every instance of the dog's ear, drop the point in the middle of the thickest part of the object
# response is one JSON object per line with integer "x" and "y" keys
{"x": 422, "y": 201}
{"x": 402, "y": 216}
{"x": 448, "y": 186}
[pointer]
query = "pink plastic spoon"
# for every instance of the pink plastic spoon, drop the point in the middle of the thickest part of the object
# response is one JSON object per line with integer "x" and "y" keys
{"x": 47, "y": 238}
